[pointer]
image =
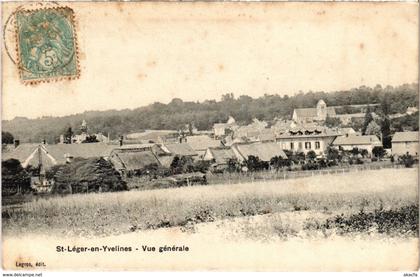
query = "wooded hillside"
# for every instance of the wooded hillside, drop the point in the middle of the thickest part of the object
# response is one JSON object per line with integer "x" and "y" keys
{"x": 177, "y": 113}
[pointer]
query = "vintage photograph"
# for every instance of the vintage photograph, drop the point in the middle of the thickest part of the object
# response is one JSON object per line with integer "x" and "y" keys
{"x": 210, "y": 136}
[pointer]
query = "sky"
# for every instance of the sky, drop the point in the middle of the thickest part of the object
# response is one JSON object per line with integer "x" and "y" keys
{"x": 134, "y": 54}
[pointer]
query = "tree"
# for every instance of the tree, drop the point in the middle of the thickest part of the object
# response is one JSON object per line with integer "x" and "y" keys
{"x": 407, "y": 160}
{"x": 355, "y": 151}
{"x": 333, "y": 155}
{"x": 254, "y": 163}
{"x": 386, "y": 132}
{"x": 7, "y": 138}
{"x": 364, "y": 152}
{"x": 311, "y": 155}
{"x": 279, "y": 162}
{"x": 373, "y": 129}
{"x": 332, "y": 121}
{"x": 368, "y": 119}
{"x": 233, "y": 165}
{"x": 68, "y": 136}
{"x": 90, "y": 139}
{"x": 378, "y": 152}
{"x": 14, "y": 179}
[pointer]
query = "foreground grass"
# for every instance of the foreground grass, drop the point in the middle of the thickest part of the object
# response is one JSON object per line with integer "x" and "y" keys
{"x": 122, "y": 212}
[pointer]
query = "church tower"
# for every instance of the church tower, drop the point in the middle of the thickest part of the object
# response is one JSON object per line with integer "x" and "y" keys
{"x": 83, "y": 127}
{"x": 321, "y": 110}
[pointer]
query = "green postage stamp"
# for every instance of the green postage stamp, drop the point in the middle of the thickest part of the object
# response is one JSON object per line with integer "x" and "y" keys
{"x": 46, "y": 44}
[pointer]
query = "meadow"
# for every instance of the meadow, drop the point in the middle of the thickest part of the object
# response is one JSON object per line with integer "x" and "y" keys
{"x": 383, "y": 201}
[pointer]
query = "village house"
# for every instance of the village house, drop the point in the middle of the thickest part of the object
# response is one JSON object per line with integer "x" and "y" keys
{"x": 307, "y": 138}
{"x": 281, "y": 126}
{"x": 359, "y": 142}
{"x": 132, "y": 159}
{"x": 347, "y": 119}
{"x": 200, "y": 143}
{"x": 250, "y": 130}
{"x": 219, "y": 156}
{"x": 175, "y": 149}
{"x": 348, "y": 131}
{"x": 47, "y": 155}
{"x": 264, "y": 151}
{"x": 405, "y": 142}
{"x": 319, "y": 113}
{"x": 222, "y": 129}
{"x": 84, "y": 136}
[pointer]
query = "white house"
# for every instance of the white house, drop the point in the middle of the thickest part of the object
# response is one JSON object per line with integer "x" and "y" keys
{"x": 361, "y": 142}
{"x": 405, "y": 142}
{"x": 305, "y": 139}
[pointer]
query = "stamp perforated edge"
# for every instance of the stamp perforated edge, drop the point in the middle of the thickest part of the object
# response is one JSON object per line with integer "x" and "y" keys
{"x": 75, "y": 41}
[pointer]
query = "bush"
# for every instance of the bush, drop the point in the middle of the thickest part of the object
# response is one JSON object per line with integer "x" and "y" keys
{"x": 14, "y": 178}
{"x": 201, "y": 166}
{"x": 310, "y": 166}
{"x": 86, "y": 175}
{"x": 233, "y": 165}
{"x": 278, "y": 162}
{"x": 255, "y": 164}
{"x": 359, "y": 161}
{"x": 407, "y": 160}
{"x": 378, "y": 152}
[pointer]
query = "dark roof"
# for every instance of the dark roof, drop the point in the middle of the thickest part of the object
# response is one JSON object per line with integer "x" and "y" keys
{"x": 357, "y": 140}
{"x": 222, "y": 155}
{"x": 133, "y": 160}
{"x": 264, "y": 151}
{"x": 181, "y": 149}
{"x": 405, "y": 136}
{"x": 21, "y": 153}
{"x": 82, "y": 150}
{"x": 202, "y": 142}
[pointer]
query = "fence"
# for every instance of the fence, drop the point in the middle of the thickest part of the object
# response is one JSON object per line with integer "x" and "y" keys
{"x": 266, "y": 175}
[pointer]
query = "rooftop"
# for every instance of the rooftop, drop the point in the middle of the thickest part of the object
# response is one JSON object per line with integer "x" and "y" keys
{"x": 202, "y": 142}
{"x": 264, "y": 151}
{"x": 405, "y": 136}
{"x": 357, "y": 140}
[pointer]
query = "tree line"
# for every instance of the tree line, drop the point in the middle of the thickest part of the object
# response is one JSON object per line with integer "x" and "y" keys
{"x": 178, "y": 113}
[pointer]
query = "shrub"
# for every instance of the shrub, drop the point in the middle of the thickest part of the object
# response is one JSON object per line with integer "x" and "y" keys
{"x": 407, "y": 160}
{"x": 278, "y": 162}
{"x": 378, "y": 152}
{"x": 311, "y": 155}
{"x": 359, "y": 161}
{"x": 87, "y": 175}
{"x": 14, "y": 178}
{"x": 254, "y": 163}
{"x": 233, "y": 165}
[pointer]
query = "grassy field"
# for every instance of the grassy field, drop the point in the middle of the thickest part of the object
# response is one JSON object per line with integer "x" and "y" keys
{"x": 380, "y": 200}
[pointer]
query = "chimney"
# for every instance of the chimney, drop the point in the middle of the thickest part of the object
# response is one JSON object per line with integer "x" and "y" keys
{"x": 121, "y": 140}
{"x": 16, "y": 143}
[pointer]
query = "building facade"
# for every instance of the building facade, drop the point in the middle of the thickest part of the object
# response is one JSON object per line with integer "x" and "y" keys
{"x": 405, "y": 142}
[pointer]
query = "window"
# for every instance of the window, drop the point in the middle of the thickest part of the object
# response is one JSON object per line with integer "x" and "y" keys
{"x": 292, "y": 146}
{"x": 307, "y": 145}
{"x": 300, "y": 145}
{"x": 317, "y": 145}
